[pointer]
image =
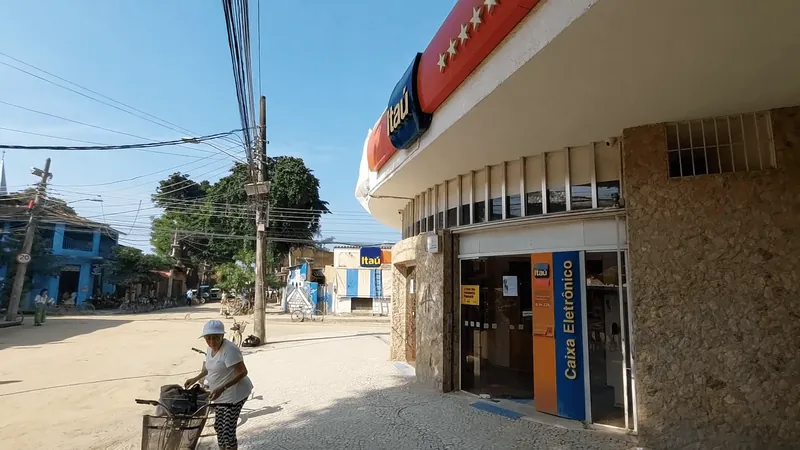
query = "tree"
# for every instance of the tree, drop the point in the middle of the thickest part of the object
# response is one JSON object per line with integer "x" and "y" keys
{"x": 293, "y": 186}
{"x": 239, "y": 274}
{"x": 129, "y": 266}
{"x": 221, "y": 212}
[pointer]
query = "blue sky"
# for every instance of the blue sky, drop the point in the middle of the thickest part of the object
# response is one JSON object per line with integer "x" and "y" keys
{"x": 328, "y": 69}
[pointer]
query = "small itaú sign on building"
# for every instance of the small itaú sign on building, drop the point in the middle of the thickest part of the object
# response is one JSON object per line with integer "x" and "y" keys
{"x": 370, "y": 257}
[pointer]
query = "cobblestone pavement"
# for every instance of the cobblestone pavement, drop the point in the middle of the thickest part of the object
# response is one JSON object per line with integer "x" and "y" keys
{"x": 340, "y": 392}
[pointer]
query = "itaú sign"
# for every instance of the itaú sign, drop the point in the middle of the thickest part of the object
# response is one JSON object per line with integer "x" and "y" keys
{"x": 405, "y": 120}
{"x": 370, "y": 257}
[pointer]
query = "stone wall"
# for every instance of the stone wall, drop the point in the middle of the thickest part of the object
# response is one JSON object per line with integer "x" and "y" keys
{"x": 715, "y": 263}
{"x": 433, "y": 293}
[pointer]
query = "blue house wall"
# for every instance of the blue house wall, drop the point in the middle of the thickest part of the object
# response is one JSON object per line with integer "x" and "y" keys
{"x": 71, "y": 252}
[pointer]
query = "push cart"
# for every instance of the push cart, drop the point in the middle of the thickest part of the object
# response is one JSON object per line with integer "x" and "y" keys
{"x": 179, "y": 419}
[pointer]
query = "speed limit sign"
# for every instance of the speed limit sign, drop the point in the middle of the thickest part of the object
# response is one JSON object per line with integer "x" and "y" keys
{"x": 23, "y": 258}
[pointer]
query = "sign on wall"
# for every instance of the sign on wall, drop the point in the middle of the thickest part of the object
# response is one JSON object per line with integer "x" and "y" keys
{"x": 470, "y": 295}
{"x": 370, "y": 256}
{"x": 569, "y": 335}
{"x": 544, "y": 346}
{"x": 558, "y": 334}
{"x": 405, "y": 120}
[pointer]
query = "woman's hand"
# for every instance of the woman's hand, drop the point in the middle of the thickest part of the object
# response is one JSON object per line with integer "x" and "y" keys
{"x": 216, "y": 393}
{"x": 190, "y": 382}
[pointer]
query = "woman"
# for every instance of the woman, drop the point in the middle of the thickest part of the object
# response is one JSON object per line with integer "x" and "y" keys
{"x": 226, "y": 374}
{"x": 41, "y": 307}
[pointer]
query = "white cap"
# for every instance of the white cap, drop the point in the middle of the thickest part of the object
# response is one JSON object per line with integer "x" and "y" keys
{"x": 213, "y": 327}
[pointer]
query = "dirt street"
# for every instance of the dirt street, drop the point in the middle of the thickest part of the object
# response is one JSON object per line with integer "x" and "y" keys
{"x": 70, "y": 384}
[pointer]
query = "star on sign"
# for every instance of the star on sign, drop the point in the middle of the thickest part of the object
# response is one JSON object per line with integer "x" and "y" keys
{"x": 464, "y": 35}
{"x": 442, "y": 61}
{"x": 451, "y": 50}
{"x": 490, "y": 4}
{"x": 476, "y": 17}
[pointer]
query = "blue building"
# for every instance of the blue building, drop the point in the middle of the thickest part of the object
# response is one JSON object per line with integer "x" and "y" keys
{"x": 80, "y": 247}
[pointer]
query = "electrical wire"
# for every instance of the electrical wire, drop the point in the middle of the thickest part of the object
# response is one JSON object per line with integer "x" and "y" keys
{"x": 171, "y": 125}
{"x": 139, "y": 145}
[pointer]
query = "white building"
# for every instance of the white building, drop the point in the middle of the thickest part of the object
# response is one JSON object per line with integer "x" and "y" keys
{"x": 361, "y": 288}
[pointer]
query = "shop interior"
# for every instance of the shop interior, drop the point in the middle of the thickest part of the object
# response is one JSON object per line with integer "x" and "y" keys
{"x": 496, "y": 337}
{"x": 68, "y": 281}
{"x": 497, "y": 340}
{"x": 607, "y": 332}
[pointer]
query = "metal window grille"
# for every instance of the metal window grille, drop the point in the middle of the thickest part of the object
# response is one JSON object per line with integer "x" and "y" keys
{"x": 739, "y": 143}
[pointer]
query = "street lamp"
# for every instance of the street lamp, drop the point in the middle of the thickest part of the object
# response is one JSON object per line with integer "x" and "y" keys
{"x": 96, "y": 200}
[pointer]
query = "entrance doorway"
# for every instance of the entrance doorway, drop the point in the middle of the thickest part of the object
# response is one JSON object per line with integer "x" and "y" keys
{"x": 360, "y": 305}
{"x": 411, "y": 316}
{"x": 68, "y": 281}
{"x": 496, "y": 333}
{"x": 610, "y": 371}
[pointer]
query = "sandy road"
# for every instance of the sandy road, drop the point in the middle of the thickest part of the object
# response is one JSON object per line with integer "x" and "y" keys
{"x": 71, "y": 383}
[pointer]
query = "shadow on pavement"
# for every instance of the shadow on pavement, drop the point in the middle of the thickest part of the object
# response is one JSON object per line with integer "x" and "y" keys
{"x": 408, "y": 417}
{"x": 55, "y": 330}
{"x": 328, "y": 338}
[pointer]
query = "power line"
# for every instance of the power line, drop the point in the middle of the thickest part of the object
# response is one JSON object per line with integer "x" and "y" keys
{"x": 140, "y": 145}
{"x": 172, "y": 126}
{"x": 142, "y": 176}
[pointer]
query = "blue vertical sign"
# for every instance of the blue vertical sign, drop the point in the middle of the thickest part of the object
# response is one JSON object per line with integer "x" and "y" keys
{"x": 567, "y": 283}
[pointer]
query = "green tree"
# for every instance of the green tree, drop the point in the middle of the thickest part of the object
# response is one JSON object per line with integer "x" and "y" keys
{"x": 129, "y": 266}
{"x": 219, "y": 212}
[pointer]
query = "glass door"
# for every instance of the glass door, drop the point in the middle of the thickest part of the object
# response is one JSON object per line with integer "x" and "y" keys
{"x": 496, "y": 327}
{"x": 608, "y": 320}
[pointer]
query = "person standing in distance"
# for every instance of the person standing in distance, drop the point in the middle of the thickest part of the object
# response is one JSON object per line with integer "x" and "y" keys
{"x": 226, "y": 374}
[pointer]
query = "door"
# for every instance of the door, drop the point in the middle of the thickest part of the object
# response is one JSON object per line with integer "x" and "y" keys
{"x": 411, "y": 315}
{"x": 608, "y": 329}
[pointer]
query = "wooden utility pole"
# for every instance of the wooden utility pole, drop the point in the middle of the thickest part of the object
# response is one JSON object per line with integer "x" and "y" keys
{"x": 262, "y": 221}
{"x": 24, "y": 256}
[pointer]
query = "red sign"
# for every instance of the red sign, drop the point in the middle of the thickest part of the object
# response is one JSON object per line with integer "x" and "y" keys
{"x": 472, "y": 30}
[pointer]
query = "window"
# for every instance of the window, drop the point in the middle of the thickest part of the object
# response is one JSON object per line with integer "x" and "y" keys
{"x": 533, "y": 186}
{"x": 465, "y": 215}
{"x": 534, "y": 203}
{"x": 720, "y": 145}
{"x": 513, "y": 206}
{"x": 479, "y": 209}
{"x": 607, "y": 170}
{"x": 452, "y": 203}
{"x": 466, "y": 199}
{"x": 580, "y": 177}
{"x": 479, "y": 198}
{"x": 496, "y": 213}
{"x": 441, "y": 205}
{"x": 513, "y": 198}
{"x": 452, "y": 217}
{"x": 496, "y": 178}
{"x": 556, "y": 182}
{"x": 81, "y": 240}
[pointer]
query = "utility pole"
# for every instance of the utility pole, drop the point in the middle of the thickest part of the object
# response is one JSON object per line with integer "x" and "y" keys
{"x": 259, "y": 191}
{"x": 24, "y": 257}
{"x": 173, "y": 254}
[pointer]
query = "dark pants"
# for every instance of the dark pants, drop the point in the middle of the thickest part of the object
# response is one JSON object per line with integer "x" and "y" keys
{"x": 188, "y": 302}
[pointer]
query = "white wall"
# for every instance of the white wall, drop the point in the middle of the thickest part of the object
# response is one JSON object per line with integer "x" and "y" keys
{"x": 575, "y": 234}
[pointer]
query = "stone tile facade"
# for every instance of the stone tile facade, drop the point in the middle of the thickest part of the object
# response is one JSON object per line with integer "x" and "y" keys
{"x": 434, "y": 306}
{"x": 715, "y": 263}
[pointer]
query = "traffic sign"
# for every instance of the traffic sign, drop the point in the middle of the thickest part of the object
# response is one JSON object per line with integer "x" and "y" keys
{"x": 23, "y": 258}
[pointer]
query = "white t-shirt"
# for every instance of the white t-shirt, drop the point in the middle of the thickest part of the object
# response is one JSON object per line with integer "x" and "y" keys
{"x": 220, "y": 372}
